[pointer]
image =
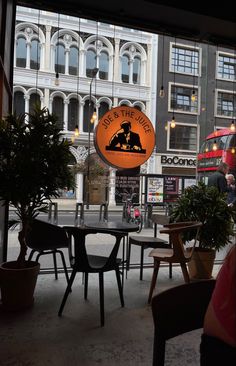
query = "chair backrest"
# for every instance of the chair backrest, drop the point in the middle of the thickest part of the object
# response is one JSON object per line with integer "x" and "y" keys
{"x": 175, "y": 231}
{"x": 43, "y": 235}
{"x": 79, "y": 235}
{"x": 159, "y": 219}
{"x": 178, "y": 310}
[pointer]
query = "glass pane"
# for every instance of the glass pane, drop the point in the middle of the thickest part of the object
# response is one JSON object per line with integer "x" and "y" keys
{"x": 35, "y": 55}
{"x": 88, "y": 111}
{"x": 73, "y": 61}
{"x": 125, "y": 69}
{"x": 58, "y": 110}
{"x": 60, "y": 59}
{"x": 34, "y": 100}
{"x": 136, "y": 70}
{"x": 90, "y": 62}
{"x": 103, "y": 66}
{"x": 73, "y": 114}
{"x": 183, "y": 138}
{"x": 19, "y": 103}
{"x": 104, "y": 107}
{"x": 21, "y": 52}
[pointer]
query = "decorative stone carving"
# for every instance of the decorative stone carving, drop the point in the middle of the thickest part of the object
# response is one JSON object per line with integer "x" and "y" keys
{"x": 29, "y": 31}
{"x": 67, "y": 38}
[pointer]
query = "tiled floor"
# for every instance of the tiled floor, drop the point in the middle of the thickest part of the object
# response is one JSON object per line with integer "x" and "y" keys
{"x": 38, "y": 337}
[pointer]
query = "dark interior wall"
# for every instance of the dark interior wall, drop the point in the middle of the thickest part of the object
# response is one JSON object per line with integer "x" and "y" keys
{"x": 7, "y": 31}
{"x": 194, "y": 21}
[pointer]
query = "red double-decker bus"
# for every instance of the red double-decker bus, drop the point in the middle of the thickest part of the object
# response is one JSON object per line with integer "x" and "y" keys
{"x": 218, "y": 146}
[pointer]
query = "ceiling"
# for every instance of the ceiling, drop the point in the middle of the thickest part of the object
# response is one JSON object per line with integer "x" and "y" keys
{"x": 190, "y": 21}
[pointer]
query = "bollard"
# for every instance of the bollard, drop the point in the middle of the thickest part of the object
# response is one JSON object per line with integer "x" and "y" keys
{"x": 53, "y": 213}
{"x": 103, "y": 214}
{"x": 148, "y": 215}
{"x": 79, "y": 214}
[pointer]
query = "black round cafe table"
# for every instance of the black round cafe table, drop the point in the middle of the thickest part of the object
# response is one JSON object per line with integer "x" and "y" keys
{"x": 114, "y": 225}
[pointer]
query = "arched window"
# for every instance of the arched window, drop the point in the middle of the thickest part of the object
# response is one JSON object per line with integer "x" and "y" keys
{"x": 88, "y": 111}
{"x": 125, "y": 69}
{"x": 90, "y": 62}
{"x": 58, "y": 110}
{"x": 73, "y": 61}
{"x": 34, "y": 100}
{"x": 103, "y": 66}
{"x": 73, "y": 114}
{"x": 21, "y": 52}
{"x": 138, "y": 108}
{"x": 60, "y": 59}
{"x": 19, "y": 102}
{"x": 104, "y": 107}
{"x": 35, "y": 55}
{"x": 136, "y": 70}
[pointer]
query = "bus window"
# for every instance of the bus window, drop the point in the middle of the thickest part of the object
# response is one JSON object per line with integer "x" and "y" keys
{"x": 222, "y": 142}
{"x": 231, "y": 142}
{"x": 203, "y": 147}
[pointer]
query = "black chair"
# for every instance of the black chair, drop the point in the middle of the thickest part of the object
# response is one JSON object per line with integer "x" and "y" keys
{"x": 87, "y": 263}
{"x": 44, "y": 238}
{"x": 178, "y": 310}
{"x": 146, "y": 242}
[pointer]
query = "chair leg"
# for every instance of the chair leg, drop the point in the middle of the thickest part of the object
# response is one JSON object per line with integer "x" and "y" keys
{"x": 55, "y": 264}
{"x": 154, "y": 278}
{"x": 128, "y": 256}
{"x": 64, "y": 264}
{"x": 31, "y": 254}
{"x": 101, "y": 294}
{"x": 68, "y": 290}
{"x": 120, "y": 287}
{"x": 85, "y": 275}
{"x": 170, "y": 270}
{"x": 185, "y": 272}
{"x": 141, "y": 263}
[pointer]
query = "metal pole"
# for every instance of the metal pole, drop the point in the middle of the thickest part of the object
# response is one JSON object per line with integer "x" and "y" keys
{"x": 94, "y": 73}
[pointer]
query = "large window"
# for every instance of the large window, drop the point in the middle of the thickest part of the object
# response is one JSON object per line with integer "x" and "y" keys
{"x": 19, "y": 102}
{"x": 21, "y": 52}
{"x": 58, "y": 110}
{"x": 132, "y": 65}
{"x": 183, "y": 138}
{"x": 73, "y": 114}
{"x": 226, "y": 67}
{"x": 185, "y": 60}
{"x": 34, "y": 100}
{"x": 226, "y": 104}
{"x": 181, "y": 99}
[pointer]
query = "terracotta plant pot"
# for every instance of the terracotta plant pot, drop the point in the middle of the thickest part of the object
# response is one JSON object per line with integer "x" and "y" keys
{"x": 201, "y": 264}
{"x": 17, "y": 285}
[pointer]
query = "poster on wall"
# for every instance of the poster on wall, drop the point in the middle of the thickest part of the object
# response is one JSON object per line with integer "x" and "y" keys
{"x": 127, "y": 187}
{"x": 155, "y": 190}
{"x": 171, "y": 185}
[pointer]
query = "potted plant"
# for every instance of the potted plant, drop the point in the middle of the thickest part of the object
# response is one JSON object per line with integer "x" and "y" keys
{"x": 208, "y": 205}
{"x": 34, "y": 162}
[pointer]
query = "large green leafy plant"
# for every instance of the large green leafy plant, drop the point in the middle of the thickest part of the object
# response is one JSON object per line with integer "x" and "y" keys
{"x": 208, "y": 205}
{"x": 34, "y": 162}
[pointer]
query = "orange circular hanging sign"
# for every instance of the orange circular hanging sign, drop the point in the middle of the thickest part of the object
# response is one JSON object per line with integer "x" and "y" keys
{"x": 124, "y": 137}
